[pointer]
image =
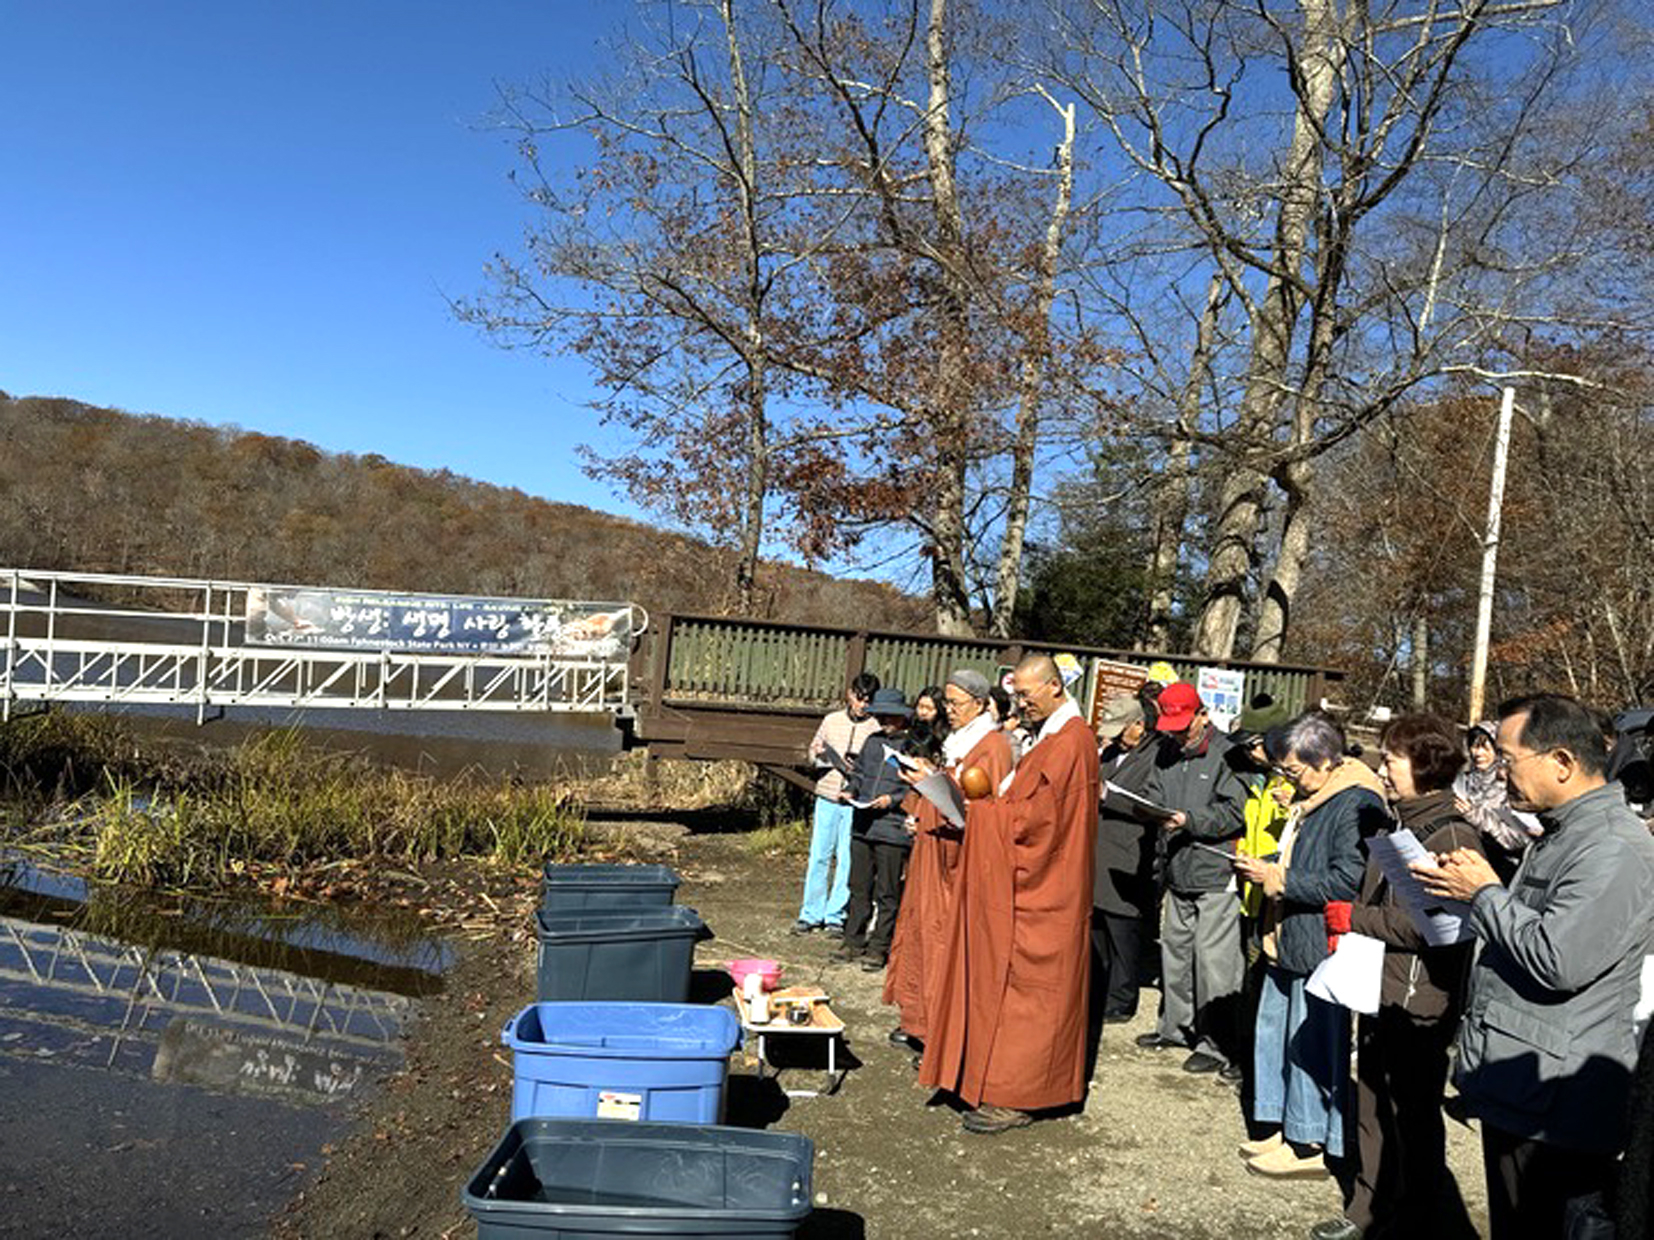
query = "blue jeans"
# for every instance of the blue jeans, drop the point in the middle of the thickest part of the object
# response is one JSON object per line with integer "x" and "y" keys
{"x": 829, "y": 849}
{"x": 1301, "y": 1063}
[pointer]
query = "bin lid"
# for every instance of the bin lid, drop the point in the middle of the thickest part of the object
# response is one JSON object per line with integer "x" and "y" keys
{"x": 617, "y": 923}
{"x": 621, "y": 1030}
{"x": 609, "y": 874}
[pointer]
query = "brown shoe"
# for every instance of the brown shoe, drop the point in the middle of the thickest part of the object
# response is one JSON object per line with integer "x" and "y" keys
{"x": 988, "y": 1121}
{"x": 1282, "y": 1163}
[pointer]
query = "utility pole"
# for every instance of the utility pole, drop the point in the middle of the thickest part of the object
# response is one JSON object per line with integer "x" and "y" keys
{"x": 1490, "y": 555}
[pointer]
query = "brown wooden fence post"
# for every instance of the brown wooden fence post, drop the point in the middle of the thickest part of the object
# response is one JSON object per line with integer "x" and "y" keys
{"x": 855, "y": 658}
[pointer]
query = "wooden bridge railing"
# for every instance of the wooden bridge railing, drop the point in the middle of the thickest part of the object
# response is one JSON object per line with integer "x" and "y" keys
{"x": 716, "y": 687}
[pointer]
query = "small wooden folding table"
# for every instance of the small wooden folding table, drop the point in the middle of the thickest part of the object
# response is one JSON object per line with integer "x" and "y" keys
{"x": 823, "y": 1023}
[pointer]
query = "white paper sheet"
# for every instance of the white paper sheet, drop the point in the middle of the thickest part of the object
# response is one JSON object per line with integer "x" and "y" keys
{"x": 1132, "y": 803}
{"x": 944, "y": 794}
{"x": 1442, "y": 922}
{"x": 1352, "y": 976}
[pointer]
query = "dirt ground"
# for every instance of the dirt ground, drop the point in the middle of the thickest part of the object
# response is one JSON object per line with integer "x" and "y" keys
{"x": 1151, "y": 1155}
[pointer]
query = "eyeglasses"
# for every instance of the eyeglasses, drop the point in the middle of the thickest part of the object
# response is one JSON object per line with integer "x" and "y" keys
{"x": 1504, "y": 761}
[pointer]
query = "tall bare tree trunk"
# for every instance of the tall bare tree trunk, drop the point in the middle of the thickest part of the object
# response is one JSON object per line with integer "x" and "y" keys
{"x": 949, "y": 412}
{"x": 753, "y": 344}
{"x": 1171, "y": 491}
{"x": 1035, "y": 360}
{"x": 1419, "y": 660}
{"x": 1275, "y": 605}
{"x": 1229, "y": 561}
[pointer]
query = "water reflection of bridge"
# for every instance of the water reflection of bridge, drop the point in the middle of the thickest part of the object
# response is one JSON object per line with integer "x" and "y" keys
{"x": 218, "y": 997}
{"x": 97, "y": 975}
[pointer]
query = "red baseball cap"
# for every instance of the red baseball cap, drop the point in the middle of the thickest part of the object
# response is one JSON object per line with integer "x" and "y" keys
{"x": 1177, "y": 703}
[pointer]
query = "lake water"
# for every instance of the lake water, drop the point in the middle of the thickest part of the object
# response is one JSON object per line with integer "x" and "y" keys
{"x": 174, "y": 1070}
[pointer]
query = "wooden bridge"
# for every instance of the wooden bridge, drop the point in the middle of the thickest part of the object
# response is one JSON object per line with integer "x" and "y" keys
{"x": 711, "y": 687}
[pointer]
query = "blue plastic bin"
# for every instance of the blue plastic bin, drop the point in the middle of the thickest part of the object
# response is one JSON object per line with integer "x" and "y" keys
{"x": 588, "y": 1179}
{"x": 570, "y": 888}
{"x": 640, "y": 955}
{"x": 634, "y": 1061}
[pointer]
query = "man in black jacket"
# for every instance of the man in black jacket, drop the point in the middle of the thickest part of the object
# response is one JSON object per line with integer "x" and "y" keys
{"x": 1122, "y": 887}
{"x": 1202, "y": 966}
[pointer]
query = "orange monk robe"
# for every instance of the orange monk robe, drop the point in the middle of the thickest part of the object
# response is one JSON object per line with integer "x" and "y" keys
{"x": 1008, "y": 1025}
{"x": 919, "y": 952}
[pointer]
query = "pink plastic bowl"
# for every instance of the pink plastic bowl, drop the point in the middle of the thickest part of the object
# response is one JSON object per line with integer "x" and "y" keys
{"x": 768, "y": 970}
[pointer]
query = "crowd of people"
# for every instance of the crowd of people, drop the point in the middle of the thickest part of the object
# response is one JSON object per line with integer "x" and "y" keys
{"x": 1493, "y": 883}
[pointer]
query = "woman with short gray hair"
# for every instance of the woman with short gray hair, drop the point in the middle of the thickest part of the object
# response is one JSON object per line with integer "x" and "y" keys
{"x": 1301, "y": 1045}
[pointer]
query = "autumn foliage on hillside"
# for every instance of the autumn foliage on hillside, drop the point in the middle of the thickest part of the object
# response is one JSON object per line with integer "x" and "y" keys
{"x": 97, "y": 490}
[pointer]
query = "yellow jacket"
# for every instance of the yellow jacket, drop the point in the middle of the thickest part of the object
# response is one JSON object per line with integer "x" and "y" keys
{"x": 1265, "y": 816}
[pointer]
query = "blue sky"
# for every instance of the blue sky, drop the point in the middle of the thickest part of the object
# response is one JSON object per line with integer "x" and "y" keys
{"x": 245, "y": 212}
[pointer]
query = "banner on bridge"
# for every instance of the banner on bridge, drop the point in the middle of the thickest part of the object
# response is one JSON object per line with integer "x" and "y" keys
{"x": 373, "y": 620}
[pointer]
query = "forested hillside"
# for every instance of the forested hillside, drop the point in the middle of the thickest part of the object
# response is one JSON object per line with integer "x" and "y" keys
{"x": 98, "y": 490}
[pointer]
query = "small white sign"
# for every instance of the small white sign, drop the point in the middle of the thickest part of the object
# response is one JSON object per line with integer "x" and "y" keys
{"x": 611, "y": 1105}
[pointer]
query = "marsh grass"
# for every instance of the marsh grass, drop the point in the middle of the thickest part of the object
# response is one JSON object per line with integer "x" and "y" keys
{"x": 165, "y": 821}
{"x": 779, "y": 839}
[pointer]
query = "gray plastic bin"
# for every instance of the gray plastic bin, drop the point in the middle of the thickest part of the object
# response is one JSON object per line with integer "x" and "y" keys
{"x": 588, "y": 1179}
{"x": 570, "y": 888}
{"x": 642, "y": 955}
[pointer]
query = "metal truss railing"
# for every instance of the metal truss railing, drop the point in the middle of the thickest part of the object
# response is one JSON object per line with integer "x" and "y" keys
{"x": 182, "y": 643}
{"x": 145, "y": 984}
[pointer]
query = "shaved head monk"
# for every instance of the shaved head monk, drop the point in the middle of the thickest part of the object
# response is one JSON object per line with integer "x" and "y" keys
{"x": 1008, "y": 1025}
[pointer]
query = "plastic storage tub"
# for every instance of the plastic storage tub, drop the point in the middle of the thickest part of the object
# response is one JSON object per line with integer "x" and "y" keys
{"x": 570, "y": 888}
{"x": 639, "y": 955}
{"x": 634, "y": 1061}
{"x": 588, "y": 1179}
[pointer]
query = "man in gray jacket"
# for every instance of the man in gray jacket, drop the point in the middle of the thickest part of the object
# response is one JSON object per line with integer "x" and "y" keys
{"x": 1547, "y": 1045}
{"x": 1202, "y": 967}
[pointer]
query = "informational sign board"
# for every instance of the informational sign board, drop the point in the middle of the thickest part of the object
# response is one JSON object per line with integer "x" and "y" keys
{"x": 1110, "y": 679}
{"x": 1223, "y": 690}
{"x": 374, "y": 620}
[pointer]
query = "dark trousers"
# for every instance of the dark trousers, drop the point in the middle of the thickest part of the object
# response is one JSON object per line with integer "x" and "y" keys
{"x": 1402, "y": 1185}
{"x": 875, "y": 882}
{"x": 1537, "y": 1191}
{"x": 1116, "y": 962}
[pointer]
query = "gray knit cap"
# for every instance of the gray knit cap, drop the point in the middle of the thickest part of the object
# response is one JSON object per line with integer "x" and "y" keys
{"x": 972, "y": 682}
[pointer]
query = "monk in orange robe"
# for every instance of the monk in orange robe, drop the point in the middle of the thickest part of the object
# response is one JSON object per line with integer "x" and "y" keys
{"x": 918, "y": 954}
{"x": 1007, "y": 1028}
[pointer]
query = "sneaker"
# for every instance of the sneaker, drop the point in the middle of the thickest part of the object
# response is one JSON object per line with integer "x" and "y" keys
{"x": 804, "y": 927}
{"x": 1200, "y": 1062}
{"x": 990, "y": 1121}
{"x": 1251, "y": 1149}
{"x": 1152, "y": 1041}
{"x": 1335, "y": 1229}
{"x": 1284, "y": 1163}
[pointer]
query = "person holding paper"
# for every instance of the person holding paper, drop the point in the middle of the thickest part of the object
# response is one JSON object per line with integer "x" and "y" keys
{"x": 1122, "y": 889}
{"x": 918, "y": 953}
{"x": 1402, "y": 1185}
{"x": 1009, "y": 1022}
{"x": 837, "y": 740}
{"x": 1301, "y": 1044}
{"x": 879, "y": 838}
{"x": 1202, "y": 968}
{"x": 1548, "y": 1042}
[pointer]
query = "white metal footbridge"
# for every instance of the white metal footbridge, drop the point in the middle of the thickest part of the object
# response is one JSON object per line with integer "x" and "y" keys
{"x": 94, "y": 637}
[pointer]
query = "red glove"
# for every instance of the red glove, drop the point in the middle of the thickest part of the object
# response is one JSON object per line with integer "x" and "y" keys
{"x": 1338, "y": 922}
